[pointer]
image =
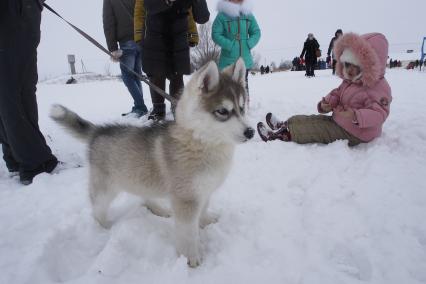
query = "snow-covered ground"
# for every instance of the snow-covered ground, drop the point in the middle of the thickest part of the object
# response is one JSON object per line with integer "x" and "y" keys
{"x": 288, "y": 213}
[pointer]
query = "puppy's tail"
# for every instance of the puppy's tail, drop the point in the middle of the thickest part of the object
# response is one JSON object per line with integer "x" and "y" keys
{"x": 77, "y": 126}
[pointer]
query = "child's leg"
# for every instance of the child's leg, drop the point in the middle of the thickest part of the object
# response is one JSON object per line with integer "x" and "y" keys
{"x": 318, "y": 129}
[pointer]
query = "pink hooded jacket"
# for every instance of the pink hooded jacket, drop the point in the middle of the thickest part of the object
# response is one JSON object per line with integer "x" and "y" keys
{"x": 370, "y": 97}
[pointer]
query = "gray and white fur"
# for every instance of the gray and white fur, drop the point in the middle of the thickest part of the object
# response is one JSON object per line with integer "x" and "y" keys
{"x": 183, "y": 160}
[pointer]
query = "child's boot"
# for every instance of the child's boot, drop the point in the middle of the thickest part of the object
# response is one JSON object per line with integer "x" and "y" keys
{"x": 267, "y": 135}
{"x": 274, "y": 123}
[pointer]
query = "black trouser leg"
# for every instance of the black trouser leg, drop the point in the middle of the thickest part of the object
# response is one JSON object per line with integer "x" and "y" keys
{"x": 11, "y": 163}
{"x": 175, "y": 88}
{"x": 176, "y": 85}
{"x": 19, "y": 38}
{"x": 159, "y": 108}
{"x": 308, "y": 69}
{"x": 334, "y": 66}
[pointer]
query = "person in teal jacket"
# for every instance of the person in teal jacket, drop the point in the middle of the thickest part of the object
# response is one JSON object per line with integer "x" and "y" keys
{"x": 236, "y": 31}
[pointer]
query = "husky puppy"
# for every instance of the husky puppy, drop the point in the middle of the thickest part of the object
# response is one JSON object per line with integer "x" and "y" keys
{"x": 183, "y": 160}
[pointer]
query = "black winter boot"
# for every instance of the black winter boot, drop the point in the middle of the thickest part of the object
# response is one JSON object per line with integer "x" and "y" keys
{"x": 26, "y": 176}
{"x": 158, "y": 112}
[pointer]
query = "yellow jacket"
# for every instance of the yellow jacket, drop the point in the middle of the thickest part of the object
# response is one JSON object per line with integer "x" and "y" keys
{"x": 139, "y": 24}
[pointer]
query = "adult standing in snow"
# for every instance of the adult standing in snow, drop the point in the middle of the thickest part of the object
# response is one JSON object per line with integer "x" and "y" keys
{"x": 165, "y": 48}
{"x": 359, "y": 106}
{"x": 330, "y": 53}
{"x": 118, "y": 28}
{"x": 24, "y": 147}
{"x": 139, "y": 25}
{"x": 236, "y": 31}
{"x": 309, "y": 51}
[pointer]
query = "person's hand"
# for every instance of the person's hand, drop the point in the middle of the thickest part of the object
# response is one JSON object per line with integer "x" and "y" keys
{"x": 115, "y": 55}
{"x": 325, "y": 107}
{"x": 349, "y": 113}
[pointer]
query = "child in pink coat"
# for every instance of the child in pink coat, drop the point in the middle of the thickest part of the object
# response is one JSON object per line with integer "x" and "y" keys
{"x": 359, "y": 106}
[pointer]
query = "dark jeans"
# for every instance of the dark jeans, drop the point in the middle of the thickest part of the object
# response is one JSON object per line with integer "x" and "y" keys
{"x": 132, "y": 58}
{"x": 24, "y": 146}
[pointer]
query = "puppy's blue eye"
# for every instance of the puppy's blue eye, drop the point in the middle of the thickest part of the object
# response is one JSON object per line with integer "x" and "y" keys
{"x": 222, "y": 112}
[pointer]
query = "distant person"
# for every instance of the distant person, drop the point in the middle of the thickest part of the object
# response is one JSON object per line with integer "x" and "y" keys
{"x": 390, "y": 64}
{"x": 295, "y": 64}
{"x": 309, "y": 51}
{"x": 359, "y": 106}
{"x": 417, "y": 63}
{"x": 267, "y": 69}
{"x": 71, "y": 80}
{"x": 118, "y": 28}
{"x": 236, "y": 31}
{"x": 330, "y": 53}
{"x": 262, "y": 70}
{"x": 165, "y": 47}
{"x": 24, "y": 148}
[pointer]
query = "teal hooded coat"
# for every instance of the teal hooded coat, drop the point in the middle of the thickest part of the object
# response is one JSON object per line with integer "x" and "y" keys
{"x": 236, "y": 31}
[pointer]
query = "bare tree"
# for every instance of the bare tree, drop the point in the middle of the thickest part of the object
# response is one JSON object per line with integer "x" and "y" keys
{"x": 206, "y": 50}
{"x": 256, "y": 60}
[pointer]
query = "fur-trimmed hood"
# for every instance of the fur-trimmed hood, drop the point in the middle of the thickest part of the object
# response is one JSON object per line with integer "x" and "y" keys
{"x": 234, "y": 10}
{"x": 370, "y": 51}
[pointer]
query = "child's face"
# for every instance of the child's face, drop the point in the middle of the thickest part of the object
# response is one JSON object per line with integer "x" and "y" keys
{"x": 351, "y": 71}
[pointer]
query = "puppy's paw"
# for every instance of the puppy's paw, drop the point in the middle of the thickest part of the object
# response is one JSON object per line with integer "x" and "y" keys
{"x": 207, "y": 219}
{"x": 157, "y": 209}
{"x": 104, "y": 223}
{"x": 194, "y": 261}
{"x": 191, "y": 251}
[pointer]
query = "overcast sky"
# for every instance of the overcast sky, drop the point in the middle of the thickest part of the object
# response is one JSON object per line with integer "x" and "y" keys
{"x": 284, "y": 24}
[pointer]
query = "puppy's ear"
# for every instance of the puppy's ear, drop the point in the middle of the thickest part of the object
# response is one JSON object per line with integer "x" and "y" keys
{"x": 208, "y": 77}
{"x": 237, "y": 71}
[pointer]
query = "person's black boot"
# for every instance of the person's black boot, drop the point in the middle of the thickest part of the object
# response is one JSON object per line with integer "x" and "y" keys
{"x": 158, "y": 112}
{"x": 26, "y": 176}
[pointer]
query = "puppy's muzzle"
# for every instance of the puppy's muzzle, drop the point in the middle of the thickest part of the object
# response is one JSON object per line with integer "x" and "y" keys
{"x": 249, "y": 133}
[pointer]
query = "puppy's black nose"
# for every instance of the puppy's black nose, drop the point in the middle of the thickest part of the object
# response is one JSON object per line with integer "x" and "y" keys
{"x": 249, "y": 133}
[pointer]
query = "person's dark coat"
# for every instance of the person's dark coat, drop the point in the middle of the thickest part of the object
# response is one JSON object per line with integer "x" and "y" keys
{"x": 118, "y": 22}
{"x": 333, "y": 40}
{"x": 309, "y": 51}
{"x": 165, "y": 46}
